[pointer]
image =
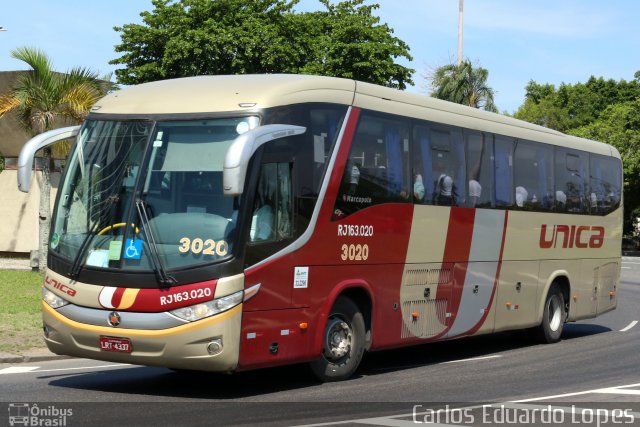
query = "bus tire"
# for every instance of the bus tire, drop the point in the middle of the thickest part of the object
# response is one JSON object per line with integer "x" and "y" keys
{"x": 343, "y": 342}
{"x": 553, "y": 316}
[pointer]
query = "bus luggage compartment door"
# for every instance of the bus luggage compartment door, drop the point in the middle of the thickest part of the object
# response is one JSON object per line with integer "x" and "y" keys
{"x": 424, "y": 299}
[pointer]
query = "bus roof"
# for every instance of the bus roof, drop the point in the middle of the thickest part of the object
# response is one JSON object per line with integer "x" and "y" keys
{"x": 207, "y": 94}
{"x": 211, "y": 94}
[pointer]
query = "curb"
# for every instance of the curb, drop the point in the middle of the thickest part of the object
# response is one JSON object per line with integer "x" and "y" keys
{"x": 39, "y": 355}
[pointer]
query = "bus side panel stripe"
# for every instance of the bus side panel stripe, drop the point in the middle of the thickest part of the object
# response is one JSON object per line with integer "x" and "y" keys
{"x": 106, "y": 296}
{"x": 497, "y": 278}
{"x": 457, "y": 250}
{"x": 117, "y": 297}
{"x": 486, "y": 248}
{"x": 487, "y": 235}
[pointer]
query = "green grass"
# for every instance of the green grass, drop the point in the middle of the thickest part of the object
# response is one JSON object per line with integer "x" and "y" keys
{"x": 20, "y": 311}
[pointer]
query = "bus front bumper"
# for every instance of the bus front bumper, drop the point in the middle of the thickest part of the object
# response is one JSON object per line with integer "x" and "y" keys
{"x": 211, "y": 344}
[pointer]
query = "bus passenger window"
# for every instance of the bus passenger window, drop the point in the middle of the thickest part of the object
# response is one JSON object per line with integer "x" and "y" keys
{"x": 503, "y": 163}
{"x": 533, "y": 176}
{"x": 479, "y": 169}
{"x": 423, "y": 163}
{"x": 439, "y": 162}
{"x": 376, "y": 171}
{"x": 606, "y": 176}
{"x": 571, "y": 181}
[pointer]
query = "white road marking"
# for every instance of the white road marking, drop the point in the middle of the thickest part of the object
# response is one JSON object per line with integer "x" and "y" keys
{"x": 614, "y": 390}
{"x": 84, "y": 367}
{"x": 418, "y": 365}
{"x": 629, "y": 326}
{"x": 18, "y": 369}
{"x": 35, "y": 369}
{"x": 625, "y": 268}
{"x": 393, "y": 421}
{"x": 473, "y": 359}
{"x": 416, "y": 417}
{"x": 557, "y": 396}
{"x": 390, "y": 422}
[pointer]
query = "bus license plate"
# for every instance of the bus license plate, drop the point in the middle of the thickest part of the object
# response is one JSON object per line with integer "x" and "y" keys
{"x": 120, "y": 345}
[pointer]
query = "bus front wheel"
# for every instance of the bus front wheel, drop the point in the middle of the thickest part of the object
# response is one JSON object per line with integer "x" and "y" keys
{"x": 343, "y": 342}
{"x": 553, "y": 316}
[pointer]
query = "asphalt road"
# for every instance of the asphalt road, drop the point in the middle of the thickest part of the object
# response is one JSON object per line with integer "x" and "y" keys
{"x": 595, "y": 366}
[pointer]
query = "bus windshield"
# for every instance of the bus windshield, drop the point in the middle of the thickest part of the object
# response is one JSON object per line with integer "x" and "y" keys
{"x": 144, "y": 195}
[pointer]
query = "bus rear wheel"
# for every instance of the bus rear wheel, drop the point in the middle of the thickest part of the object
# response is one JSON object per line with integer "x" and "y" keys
{"x": 553, "y": 316}
{"x": 343, "y": 343}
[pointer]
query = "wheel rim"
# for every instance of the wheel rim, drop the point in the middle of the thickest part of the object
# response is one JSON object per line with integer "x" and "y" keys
{"x": 338, "y": 339}
{"x": 554, "y": 309}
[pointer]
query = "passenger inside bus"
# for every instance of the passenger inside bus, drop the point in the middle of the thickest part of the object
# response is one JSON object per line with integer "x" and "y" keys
{"x": 521, "y": 196}
{"x": 354, "y": 178}
{"x": 262, "y": 222}
{"x": 475, "y": 192}
{"x": 561, "y": 199}
{"x": 418, "y": 189}
{"x": 445, "y": 194}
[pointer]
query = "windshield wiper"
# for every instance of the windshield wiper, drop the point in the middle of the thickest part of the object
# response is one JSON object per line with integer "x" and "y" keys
{"x": 158, "y": 267}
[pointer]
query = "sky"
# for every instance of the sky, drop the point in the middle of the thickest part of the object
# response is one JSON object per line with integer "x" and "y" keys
{"x": 548, "y": 41}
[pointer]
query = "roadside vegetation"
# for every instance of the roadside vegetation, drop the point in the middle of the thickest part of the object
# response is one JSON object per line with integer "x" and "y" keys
{"x": 44, "y": 99}
{"x": 20, "y": 312}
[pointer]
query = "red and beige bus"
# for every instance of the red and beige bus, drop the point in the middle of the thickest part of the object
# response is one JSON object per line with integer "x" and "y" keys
{"x": 226, "y": 223}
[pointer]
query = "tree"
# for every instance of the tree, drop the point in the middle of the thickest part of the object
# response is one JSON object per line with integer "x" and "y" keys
{"x": 463, "y": 84}
{"x": 572, "y": 106}
{"x": 44, "y": 99}
{"x": 602, "y": 110}
{"x": 542, "y": 107}
{"x": 209, "y": 37}
{"x": 348, "y": 41}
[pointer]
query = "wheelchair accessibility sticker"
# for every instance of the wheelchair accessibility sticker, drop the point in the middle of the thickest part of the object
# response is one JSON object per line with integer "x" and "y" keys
{"x": 133, "y": 249}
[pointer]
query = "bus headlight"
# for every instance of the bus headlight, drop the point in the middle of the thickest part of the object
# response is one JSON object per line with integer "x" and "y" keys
{"x": 52, "y": 299}
{"x": 209, "y": 308}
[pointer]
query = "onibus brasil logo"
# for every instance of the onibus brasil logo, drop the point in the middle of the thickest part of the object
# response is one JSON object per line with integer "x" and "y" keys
{"x": 28, "y": 414}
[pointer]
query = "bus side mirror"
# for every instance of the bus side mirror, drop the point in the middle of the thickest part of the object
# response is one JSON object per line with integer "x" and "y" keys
{"x": 239, "y": 153}
{"x": 25, "y": 160}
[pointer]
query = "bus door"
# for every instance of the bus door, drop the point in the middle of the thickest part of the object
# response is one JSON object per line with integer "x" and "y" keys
{"x": 271, "y": 228}
{"x": 606, "y": 279}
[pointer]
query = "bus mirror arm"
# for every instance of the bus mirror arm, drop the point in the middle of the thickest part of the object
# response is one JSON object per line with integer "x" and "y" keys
{"x": 25, "y": 160}
{"x": 239, "y": 153}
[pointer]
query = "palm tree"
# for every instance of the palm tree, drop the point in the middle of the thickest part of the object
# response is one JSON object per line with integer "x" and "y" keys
{"x": 44, "y": 99}
{"x": 463, "y": 84}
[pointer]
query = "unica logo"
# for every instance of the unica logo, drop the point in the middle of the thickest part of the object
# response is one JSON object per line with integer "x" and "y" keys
{"x": 60, "y": 286}
{"x": 571, "y": 236}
